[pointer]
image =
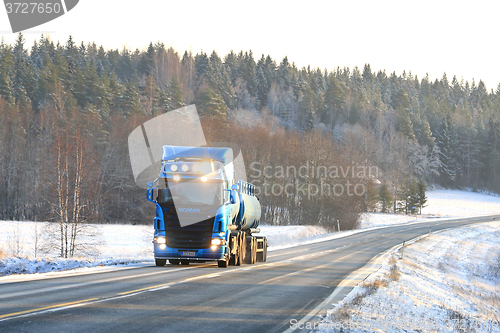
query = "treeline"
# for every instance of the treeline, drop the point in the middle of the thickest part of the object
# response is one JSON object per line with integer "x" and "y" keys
{"x": 67, "y": 110}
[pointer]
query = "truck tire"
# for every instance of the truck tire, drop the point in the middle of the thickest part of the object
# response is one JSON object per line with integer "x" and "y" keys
{"x": 160, "y": 262}
{"x": 251, "y": 250}
{"x": 174, "y": 261}
{"x": 262, "y": 255}
{"x": 254, "y": 250}
{"x": 223, "y": 263}
{"x": 242, "y": 250}
{"x": 239, "y": 253}
{"x": 264, "y": 259}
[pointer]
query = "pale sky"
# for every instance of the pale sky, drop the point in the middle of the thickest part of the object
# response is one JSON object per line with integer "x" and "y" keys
{"x": 457, "y": 37}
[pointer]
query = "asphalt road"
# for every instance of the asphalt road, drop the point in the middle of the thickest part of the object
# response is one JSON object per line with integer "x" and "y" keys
{"x": 294, "y": 283}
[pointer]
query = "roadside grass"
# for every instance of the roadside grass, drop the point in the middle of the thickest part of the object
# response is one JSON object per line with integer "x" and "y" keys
{"x": 366, "y": 288}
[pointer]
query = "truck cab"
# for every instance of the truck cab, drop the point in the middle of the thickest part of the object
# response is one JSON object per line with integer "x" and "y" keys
{"x": 202, "y": 213}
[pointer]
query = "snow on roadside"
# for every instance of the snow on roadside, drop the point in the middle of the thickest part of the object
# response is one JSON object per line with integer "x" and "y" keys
{"x": 125, "y": 244}
{"x": 106, "y": 245}
{"x": 444, "y": 282}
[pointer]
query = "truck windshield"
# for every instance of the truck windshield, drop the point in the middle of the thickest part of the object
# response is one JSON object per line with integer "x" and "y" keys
{"x": 191, "y": 193}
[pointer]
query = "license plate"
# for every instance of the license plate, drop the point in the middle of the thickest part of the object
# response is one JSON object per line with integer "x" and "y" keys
{"x": 188, "y": 254}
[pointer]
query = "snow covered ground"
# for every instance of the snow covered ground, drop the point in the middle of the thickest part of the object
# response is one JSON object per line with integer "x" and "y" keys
{"x": 105, "y": 245}
{"x": 25, "y": 247}
{"x": 446, "y": 282}
{"x": 440, "y": 204}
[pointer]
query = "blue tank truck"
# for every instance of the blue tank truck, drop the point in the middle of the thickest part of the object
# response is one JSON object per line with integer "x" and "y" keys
{"x": 202, "y": 212}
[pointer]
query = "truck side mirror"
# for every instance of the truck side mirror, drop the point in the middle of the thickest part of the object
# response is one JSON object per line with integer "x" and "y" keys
{"x": 232, "y": 197}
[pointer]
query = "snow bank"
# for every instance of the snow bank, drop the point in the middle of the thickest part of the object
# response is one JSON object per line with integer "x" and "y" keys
{"x": 105, "y": 245}
{"x": 444, "y": 282}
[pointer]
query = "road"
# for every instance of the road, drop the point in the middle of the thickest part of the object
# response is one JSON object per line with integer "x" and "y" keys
{"x": 294, "y": 283}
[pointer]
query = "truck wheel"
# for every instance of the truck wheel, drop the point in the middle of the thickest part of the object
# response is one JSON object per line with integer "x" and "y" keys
{"x": 254, "y": 250}
{"x": 223, "y": 263}
{"x": 264, "y": 253}
{"x": 174, "y": 261}
{"x": 242, "y": 250}
{"x": 238, "y": 257}
{"x": 250, "y": 250}
{"x": 160, "y": 262}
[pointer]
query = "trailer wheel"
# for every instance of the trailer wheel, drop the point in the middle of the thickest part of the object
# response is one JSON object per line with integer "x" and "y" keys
{"x": 174, "y": 261}
{"x": 264, "y": 252}
{"x": 160, "y": 262}
{"x": 251, "y": 250}
{"x": 241, "y": 249}
{"x": 254, "y": 250}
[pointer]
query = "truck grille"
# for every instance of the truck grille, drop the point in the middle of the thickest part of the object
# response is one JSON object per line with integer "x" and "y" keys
{"x": 193, "y": 236}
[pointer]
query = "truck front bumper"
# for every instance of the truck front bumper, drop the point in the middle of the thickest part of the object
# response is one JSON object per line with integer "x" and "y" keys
{"x": 219, "y": 253}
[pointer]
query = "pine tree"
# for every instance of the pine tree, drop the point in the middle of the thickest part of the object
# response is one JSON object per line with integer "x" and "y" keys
{"x": 262, "y": 87}
{"x": 401, "y": 104}
{"x": 447, "y": 145}
{"x": 248, "y": 73}
{"x": 385, "y": 199}
{"x": 334, "y": 100}
{"x": 421, "y": 197}
{"x": 175, "y": 94}
{"x": 6, "y": 66}
{"x": 308, "y": 107}
{"x": 210, "y": 104}
{"x": 131, "y": 100}
{"x": 493, "y": 154}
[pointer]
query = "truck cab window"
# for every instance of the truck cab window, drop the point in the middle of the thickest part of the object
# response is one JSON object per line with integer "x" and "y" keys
{"x": 164, "y": 196}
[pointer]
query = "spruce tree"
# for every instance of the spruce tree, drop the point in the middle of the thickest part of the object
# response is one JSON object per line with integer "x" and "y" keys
{"x": 175, "y": 94}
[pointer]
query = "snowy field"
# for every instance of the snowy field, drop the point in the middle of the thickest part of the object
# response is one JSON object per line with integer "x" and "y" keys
{"x": 25, "y": 247}
{"x": 440, "y": 204}
{"x": 446, "y": 282}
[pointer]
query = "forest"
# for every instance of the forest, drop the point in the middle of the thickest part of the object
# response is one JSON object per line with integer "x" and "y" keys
{"x": 66, "y": 112}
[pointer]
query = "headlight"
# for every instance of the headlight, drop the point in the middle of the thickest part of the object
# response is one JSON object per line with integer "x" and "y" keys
{"x": 196, "y": 168}
{"x": 216, "y": 241}
{"x": 174, "y": 167}
{"x": 185, "y": 167}
{"x": 161, "y": 240}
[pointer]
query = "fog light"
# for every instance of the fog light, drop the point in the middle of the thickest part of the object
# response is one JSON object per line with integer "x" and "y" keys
{"x": 177, "y": 178}
{"x": 213, "y": 247}
{"x": 204, "y": 179}
{"x": 163, "y": 246}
